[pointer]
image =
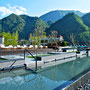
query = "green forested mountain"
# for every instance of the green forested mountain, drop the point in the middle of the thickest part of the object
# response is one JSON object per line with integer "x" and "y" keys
{"x": 86, "y": 19}
{"x": 71, "y": 23}
{"x": 23, "y": 24}
{"x": 32, "y": 24}
{"x": 50, "y": 22}
{"x": 58, "y": 14}
{"x": 12, "y": 23}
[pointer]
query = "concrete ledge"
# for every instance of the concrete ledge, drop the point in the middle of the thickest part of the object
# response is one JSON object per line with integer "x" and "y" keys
{"x": 57, "y": 56}
{"x": 55, "y": 59}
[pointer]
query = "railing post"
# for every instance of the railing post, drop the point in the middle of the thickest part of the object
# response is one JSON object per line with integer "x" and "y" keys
{"x": 24, "y": 54}
{"x": 36, "y": 65}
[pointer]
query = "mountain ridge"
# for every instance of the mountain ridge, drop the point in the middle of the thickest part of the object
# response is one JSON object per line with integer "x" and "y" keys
{"x": 71, "y": 23}
{"x": 22, "y": 23}
{"x": 58, "y": 14}
{"x": 86, "y": 19}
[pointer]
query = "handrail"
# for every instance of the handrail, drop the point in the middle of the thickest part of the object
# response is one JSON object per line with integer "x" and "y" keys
{"x": 13, "y": 63}
{"x": 24, "y": 58}
{"x": 29, "y": 53}
{"x": 32, "y": 56}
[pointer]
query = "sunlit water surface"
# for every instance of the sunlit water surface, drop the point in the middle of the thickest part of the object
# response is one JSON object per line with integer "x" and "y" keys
{"x": 47, "y": 79}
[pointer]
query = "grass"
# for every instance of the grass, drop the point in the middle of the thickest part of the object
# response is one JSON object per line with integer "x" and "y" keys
{"x": 2, "y": 59}
{"x": 38, "y": 55}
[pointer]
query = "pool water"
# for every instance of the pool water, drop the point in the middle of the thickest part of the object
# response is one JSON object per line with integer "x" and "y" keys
{"x": 48, "y": 79}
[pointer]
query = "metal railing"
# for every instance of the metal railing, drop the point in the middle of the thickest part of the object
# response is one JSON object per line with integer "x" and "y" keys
{"x": 15, "y": 61}
{"x": 26, "y": 50}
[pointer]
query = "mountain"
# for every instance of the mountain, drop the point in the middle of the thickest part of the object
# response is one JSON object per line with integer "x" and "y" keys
{"x": 58, "y": 14}
{"x": 71, "y": 23}
{"x": 50, "y": 22}
{"x": 12, "y": 23}
{"x": 86, "y": 19}
{"x": 23, "y": 24}
{"x": 32, "y": 23}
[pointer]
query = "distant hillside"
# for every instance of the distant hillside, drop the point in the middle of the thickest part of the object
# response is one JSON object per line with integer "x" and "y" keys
{"x": 50, "y": 22}
{"x": 71, "y": 23}
{"x": 86, "y": 19}
{"x": 58, "y": 14}
{"x": 32, "y": 23}
{"x": 12, "y": 23}
{"x": 23, "y": 23}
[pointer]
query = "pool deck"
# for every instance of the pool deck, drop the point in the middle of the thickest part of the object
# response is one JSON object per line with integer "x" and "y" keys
{"x": 11, "y": 64}
{"x": 46, "y": 61}
{"x": 51, "y": 60}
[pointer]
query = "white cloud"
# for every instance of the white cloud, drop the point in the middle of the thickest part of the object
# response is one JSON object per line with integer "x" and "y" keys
{"x": 4, "y": 11}
{"x": 81, "y": 10}
{"x": 85, "y": 11}
{"x": 22, "y": 8}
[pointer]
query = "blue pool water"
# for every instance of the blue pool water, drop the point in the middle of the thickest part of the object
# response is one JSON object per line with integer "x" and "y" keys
{"x": 47, "y": 79}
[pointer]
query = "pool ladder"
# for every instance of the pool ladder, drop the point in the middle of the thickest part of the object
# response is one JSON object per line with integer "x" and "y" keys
{"x": 26, "y": 50}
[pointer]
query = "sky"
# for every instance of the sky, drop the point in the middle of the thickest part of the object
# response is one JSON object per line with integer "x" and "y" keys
{"x": 40, "y": 7}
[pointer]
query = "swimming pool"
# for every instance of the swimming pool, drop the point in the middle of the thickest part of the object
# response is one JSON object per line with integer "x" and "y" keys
{"x": 47, "y": 79}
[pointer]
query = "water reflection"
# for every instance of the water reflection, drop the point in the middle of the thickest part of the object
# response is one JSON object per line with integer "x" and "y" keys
{"x": 47, "y": 79}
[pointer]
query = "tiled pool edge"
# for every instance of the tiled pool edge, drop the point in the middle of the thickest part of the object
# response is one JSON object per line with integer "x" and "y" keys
{"x": 79, "y": 82}
{"x": 74, "y": 81}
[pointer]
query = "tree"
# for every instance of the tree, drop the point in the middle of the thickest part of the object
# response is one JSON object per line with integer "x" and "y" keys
{"x": 43, "y": 37}
{"x": 10, "y": 39}
{"x": 85, "y": 37}
{"x": 72, "y": 39}
{"x": 16, "y": 37}
{"x": 53, "y": 37}
{"x": 7, "y": 38}
{"x": 64, "y": 43}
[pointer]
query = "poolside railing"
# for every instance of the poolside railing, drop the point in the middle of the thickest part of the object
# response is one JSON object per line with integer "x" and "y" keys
{"x": 32, "y": 57}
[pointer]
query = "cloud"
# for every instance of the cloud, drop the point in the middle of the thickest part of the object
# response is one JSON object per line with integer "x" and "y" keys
{"x": 4, "y": 11}
{"x": 86, "y": 11}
